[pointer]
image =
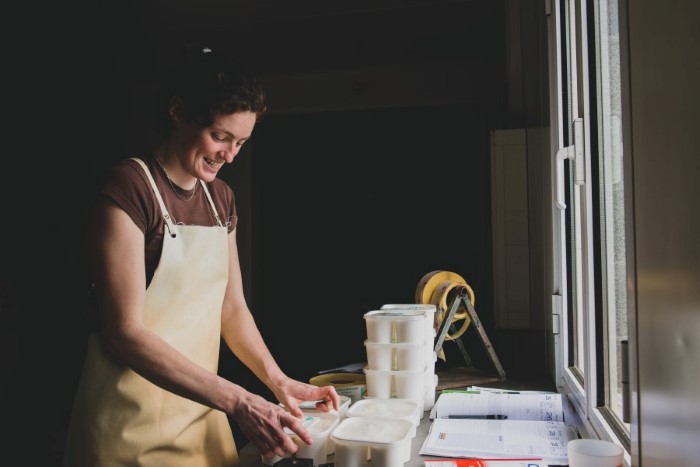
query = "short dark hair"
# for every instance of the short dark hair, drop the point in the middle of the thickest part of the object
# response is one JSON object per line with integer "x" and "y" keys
{"x": 209, "y": 84}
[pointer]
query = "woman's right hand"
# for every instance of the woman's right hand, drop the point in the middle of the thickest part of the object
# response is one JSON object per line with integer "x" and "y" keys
{"x": 263, "y": 423}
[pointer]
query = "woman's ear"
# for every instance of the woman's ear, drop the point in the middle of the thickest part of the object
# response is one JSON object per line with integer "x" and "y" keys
{"x": 175, "y": 109}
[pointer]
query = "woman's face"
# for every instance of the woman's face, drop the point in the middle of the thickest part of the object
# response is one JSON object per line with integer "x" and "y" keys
{"x": 204, "y": 150}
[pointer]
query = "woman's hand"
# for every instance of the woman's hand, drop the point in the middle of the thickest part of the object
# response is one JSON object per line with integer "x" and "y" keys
{"x": 264, "y": 423}
{"x": 292, "y": 392}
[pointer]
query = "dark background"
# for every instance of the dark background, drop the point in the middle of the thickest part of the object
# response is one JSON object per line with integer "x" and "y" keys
{"x": 346, "y": 198}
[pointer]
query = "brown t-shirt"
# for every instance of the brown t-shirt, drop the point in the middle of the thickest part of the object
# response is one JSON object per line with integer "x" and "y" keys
{"x": 126, "y": 184}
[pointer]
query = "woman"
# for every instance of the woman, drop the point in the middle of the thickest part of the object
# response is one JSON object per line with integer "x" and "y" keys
{"x": 168, "y": 285}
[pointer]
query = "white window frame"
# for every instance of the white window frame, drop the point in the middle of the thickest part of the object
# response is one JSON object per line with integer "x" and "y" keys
{"x": 584, "y": 398}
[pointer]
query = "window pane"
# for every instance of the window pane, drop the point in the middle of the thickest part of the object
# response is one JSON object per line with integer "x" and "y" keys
{"x": 612, "y": 202}
{"x": 574, "y": 207}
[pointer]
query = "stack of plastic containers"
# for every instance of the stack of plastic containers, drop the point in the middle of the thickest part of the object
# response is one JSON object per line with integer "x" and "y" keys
{"x": 400, "y": 356}
{"x": 430, "y": 377}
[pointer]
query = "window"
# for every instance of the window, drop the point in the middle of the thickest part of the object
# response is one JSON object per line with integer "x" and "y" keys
{"x": 611, "y": 215}
{"x": 590, "y": 218}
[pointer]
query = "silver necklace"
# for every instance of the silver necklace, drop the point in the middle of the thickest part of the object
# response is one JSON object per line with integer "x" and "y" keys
{"x": 172, "y": 185}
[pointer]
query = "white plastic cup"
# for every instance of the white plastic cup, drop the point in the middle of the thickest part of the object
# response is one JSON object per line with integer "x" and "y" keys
{"x": 594, "y": 453}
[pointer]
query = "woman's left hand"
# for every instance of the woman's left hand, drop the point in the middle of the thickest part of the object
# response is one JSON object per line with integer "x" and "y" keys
{"x": 292, "y": 392}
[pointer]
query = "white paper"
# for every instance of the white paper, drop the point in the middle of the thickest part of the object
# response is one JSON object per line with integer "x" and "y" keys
{"x": 544, "y": 407}
{"x": 497, "y": 438}
{"x": 506, "y": 391}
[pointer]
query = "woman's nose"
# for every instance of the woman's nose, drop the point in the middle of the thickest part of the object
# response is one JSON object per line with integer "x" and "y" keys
{"x": 230, "y": 153}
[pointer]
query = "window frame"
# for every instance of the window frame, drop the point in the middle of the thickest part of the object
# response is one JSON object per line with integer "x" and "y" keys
{"x": 577, "y": 256}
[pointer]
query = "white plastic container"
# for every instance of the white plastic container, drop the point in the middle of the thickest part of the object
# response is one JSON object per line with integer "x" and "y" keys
{"x": 320, "y": 426}
{"x": 309, "y": 408}
{"x": 389, "y": 409}
{"x": 430, "y": 369}
{"x": 399, "y": 356}
{"x": 429, "y": 396}
{"x": 388, "y": 442}
{"x": 400, "y": 384}
{"x": 428, "y": 311}
{"x": 424, "y": 307}
{"x": 391, "y": 326}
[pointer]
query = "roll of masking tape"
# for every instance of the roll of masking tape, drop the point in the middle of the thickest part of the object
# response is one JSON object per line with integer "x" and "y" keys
{"x": 428, "y": 283}
{"x": 442, "y": 298}
{"x": 351, "y": 385}
{"x": 425, "y": 293}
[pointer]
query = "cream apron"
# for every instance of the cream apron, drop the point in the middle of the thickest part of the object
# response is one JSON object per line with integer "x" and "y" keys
{"x": 119, "y": 418}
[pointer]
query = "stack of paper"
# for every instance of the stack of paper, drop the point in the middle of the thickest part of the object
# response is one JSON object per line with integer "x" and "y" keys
{"x": 498, "y": 425}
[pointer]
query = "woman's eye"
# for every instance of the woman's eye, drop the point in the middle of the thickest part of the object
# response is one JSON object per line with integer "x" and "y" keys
{"x": 218, "y": 137}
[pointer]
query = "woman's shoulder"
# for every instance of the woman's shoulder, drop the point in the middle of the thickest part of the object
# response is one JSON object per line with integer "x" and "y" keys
{"x": 125, "y": 171}
{"x": 127, "y": 185}
{"x": 129, "y": 168}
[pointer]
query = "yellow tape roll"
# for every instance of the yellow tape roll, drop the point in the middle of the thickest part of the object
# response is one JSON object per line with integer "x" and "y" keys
{"x": 426, "y": 290}
{"x": 428, "y": 283}
{"x": 440, "y": 300}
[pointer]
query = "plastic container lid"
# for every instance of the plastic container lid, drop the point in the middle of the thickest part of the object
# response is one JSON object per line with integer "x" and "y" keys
{"x": 392, "y": 409}
{"x": 372, "y": 431}
{"x": 424, "y": 307}
{"x": 309, "y": 407}
{"x": 394, "y": 315}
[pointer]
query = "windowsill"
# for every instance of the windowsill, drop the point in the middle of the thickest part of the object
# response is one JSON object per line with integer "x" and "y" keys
{"x": 582, "y": 428}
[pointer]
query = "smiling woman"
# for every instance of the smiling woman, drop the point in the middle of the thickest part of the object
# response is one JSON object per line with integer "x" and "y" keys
{"x": 168, "y": 289}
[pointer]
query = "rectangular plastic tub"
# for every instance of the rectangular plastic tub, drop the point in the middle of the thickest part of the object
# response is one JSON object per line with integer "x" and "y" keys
{"x": 388, "y": 442}
{"x": 320, "y": 426}
{"x": 398, "y": 356}
{"x": 391, "y": 326}
{"x": 389, "y": 409}
{"x": 401, "y": 384}
{"x": 411, "y": 308}
{"x": 310, "y": 409}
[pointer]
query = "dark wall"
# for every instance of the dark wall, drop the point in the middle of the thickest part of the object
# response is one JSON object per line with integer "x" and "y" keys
{"x": 70, "y": 70}
{"x": 351, "y": 209}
